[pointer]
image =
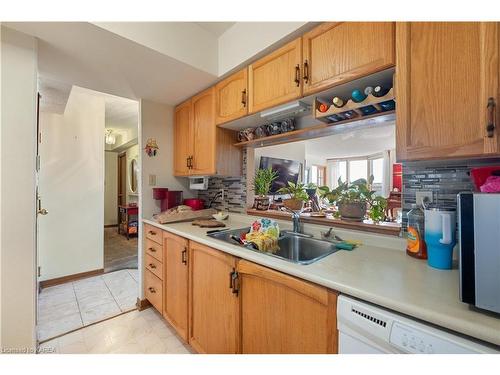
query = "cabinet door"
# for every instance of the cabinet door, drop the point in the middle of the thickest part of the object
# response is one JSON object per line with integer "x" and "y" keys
{"x": 213, "y": 307}
{"x": 282, "y": 314}
{"x": 276, "y": 78}
{"x": 231, "y": 97}
{"x": 445, "y": 74}
{"x": 183, "y": 138}
{"x": 336, "y": 52}
{"x": 176, "y": 282}
{"x": 204, "y": 133}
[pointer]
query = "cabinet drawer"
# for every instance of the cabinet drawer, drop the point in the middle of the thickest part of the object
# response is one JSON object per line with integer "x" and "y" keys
{"x": 154, "y": 249}
{"x": 153, "y": 265}
{"x": 153, "y": 290}
{"x": 153, "y": 233}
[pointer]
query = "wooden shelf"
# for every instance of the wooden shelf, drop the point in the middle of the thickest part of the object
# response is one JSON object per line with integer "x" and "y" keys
{"x": 355, "y": 107}
{"x": 283, "y": 136}
{"x": 316, "y": 131}
{"x": 391, "y": 229}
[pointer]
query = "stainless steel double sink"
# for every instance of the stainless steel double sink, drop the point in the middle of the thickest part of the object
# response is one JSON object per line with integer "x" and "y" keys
{"x": 295, "y": 248}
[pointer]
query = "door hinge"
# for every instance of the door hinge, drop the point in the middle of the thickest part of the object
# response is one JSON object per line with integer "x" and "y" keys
{"x": 38, "y": 163}
{"x": 39, "y": 271}
{"x": 235, "y": 282}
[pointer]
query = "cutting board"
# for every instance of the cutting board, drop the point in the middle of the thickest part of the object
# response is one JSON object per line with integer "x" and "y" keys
{"x": 208, "y": 223}
{"x": 176, "y": 217}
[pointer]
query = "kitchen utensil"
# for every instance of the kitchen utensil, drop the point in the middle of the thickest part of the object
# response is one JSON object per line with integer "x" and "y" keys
{"x": 440, "y": 237}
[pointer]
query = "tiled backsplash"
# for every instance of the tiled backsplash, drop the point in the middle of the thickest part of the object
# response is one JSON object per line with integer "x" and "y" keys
{"x": 445, "y": 178}
{"x": 235, "y": 191}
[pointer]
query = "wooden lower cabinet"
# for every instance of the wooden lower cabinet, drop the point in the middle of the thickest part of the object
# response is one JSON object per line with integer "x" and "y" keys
{"x": 214, "y": 308}
{"x": 175, "y": 306}
{"x": 221, "y": 304}
{"x": 283, "y": 314}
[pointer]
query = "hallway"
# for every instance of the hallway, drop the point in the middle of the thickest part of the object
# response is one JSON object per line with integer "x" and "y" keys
{"x": 119, "y": 253}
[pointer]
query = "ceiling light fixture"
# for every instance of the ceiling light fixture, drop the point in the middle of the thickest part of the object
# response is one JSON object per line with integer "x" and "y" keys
{"x": 110, "y": 138}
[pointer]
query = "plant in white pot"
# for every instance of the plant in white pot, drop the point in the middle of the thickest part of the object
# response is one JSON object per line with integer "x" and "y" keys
{"x": 298, "y": 196}
{"x": 262, "y": 182}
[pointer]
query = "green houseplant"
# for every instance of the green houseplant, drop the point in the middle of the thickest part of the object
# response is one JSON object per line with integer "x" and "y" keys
{"x": 262, "y": 182}
{"x": 298, "y": 196}
{"x": 353, "y": 200}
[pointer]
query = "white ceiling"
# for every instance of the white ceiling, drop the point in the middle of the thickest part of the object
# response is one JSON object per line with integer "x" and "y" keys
{"x": 216, "y": 28}
{"x": 85, "y": 55}
{"x": 121, "y": 114}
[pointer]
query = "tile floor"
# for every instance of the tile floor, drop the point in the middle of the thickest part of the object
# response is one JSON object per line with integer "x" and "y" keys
{"x": 136, "y": 332}
{"x": 119, "y": 253}
{"x": 73, "y": 305}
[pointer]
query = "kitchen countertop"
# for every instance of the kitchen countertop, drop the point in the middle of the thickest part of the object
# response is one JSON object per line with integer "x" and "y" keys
{"x": 378, "y": 271}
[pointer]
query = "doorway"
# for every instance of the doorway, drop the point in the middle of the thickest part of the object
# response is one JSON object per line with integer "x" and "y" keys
{"x": 77, "y": 288}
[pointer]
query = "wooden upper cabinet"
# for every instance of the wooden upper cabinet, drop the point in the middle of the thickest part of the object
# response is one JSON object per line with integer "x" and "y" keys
{"x": 337, "y": 52}
{"x": 214, "y": 308}
{"x": 276, "y": 78}
{"x": 204, "y": 133}
{"x": 183, "y": 137}
{"x": 446, "y": 73}
{"x": 175, "y": 280}
{"x": 282, "y": 314}
{"x": 231, "y": 97}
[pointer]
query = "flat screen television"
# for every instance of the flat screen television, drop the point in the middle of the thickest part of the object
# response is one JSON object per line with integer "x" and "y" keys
{"x": 288, "y": 170}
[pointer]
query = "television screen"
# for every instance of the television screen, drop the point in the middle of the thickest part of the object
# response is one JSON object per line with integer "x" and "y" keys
{"x": 288, "y": 170}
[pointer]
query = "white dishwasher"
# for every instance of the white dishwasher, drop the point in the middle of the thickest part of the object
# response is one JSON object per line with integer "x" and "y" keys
{"x": 367, "y": 329}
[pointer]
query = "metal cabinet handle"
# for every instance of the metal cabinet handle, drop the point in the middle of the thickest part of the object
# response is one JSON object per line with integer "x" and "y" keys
{"x": 152, "y": 266}
{"x": 187, "y": 162}
{"x": 306, "y": 71}
{"x": 152, "y": 249}
{"x": 234, "y": 282}
{"x": 152, "y": 233}
{"x": 244, "y": 98}
{"x": 184, "y": 256}
{"x": 297, "y": 75}
{"x": 152, "y": 290}
{"x": 490, "y": 126}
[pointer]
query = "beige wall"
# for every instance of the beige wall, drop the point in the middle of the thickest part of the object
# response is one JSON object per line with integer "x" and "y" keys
{"x": 71, "y": 184}
{"x": 157, "y": 122}
{"x": 17, "y": 192}
{"x": 110, "y": 188}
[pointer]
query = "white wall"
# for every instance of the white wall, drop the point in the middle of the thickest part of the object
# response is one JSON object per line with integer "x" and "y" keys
{"x": 110, "y": 188}
{"x": 17, "y": 193}
{"x": 71, "y": 236}
{"x": 243, "y": 40}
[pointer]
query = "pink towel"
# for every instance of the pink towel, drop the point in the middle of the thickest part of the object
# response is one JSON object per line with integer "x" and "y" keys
{"x": 491, "y": 185}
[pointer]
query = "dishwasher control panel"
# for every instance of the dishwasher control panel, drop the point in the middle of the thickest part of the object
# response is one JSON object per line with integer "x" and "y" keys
{"x": 416, "y": 341}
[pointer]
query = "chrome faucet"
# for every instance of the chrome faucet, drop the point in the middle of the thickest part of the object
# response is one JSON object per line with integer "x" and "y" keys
{"x": 297, "y": 227}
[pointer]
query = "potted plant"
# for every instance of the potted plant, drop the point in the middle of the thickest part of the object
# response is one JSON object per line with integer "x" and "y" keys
{"x": 297, "y": 195}
{"x": 262, "y": 182}
{"x": 353, "y": 200}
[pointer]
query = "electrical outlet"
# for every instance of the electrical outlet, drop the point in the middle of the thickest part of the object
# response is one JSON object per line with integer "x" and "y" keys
{"x": 152, "y": 180}
{"x": 420, "y": 195}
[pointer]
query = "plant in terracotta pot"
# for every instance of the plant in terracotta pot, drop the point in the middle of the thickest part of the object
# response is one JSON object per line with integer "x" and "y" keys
{"x": 262, "y": 182}
{"x": 298, "y": 196}
{"x": 353, "y": 200}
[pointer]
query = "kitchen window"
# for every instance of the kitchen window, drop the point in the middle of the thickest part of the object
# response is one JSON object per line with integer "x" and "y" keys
{"x": 352, "y": 169}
